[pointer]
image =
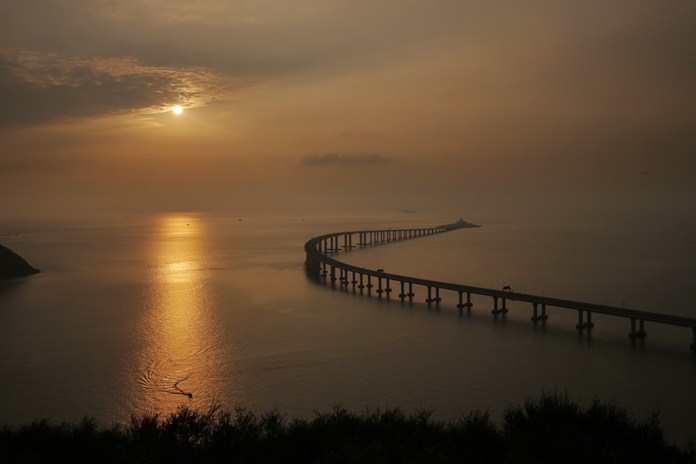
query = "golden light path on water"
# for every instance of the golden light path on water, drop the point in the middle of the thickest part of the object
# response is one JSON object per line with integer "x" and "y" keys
{"x": 179, "y": 356}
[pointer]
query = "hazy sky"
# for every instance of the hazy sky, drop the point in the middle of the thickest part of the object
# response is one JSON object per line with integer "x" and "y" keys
{"x": 382, "y": 104}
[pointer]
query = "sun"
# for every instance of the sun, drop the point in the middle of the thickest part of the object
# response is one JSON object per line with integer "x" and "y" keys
{"x": 177, "y": 109}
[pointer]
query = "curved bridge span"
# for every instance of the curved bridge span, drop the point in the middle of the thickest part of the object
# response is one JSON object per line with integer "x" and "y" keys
{"x": 321, "y": 265}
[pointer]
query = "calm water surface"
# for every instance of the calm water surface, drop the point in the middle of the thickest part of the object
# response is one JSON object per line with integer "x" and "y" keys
{"x": 140, "y": 314}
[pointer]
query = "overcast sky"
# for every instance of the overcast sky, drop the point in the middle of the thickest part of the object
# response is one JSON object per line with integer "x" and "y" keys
{"x": 311, "y": 105}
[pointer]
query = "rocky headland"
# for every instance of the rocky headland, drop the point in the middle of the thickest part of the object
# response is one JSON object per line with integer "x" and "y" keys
{"x": 12, "y": 265}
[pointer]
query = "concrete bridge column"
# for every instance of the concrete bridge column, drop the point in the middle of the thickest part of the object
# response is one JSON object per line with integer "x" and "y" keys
{"x": 353, "y": 281}
{"x": 581, "y": 325}
{"x": 361, "y": 286}
{"x": 402, "y": 295}
{"x": 369, "y": 282}
{"x": 436, "y": 299}
{"x": 461, "y": 305}
{"x": 333, "y": 275}
{"x": 379, "y": 286}
{"x": 410, "y": 293}
{"x": 536, "y": 317}
{"x": 641, "y": 333}
{"x": 495, "y": 310}
{"x": 323, "y": 270}
{"x": 388, "y": 289}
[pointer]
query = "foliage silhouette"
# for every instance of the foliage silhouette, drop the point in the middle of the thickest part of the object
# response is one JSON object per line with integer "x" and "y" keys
{"x": 551, "y": 428}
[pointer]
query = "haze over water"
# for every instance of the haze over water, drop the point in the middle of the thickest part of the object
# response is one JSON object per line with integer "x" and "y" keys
{"x": 131, "y": 314}
{"x": 163, "y": 163}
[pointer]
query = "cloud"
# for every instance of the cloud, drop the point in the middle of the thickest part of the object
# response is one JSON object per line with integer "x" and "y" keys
{"x": 349, "y": 159}
{"x": 39, "y": 88}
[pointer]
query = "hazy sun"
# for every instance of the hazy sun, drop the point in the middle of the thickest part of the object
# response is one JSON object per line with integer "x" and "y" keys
{"x": 177, "y": 109}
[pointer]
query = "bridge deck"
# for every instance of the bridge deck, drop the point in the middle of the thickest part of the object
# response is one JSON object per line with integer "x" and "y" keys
{"x": 318, "y": 258}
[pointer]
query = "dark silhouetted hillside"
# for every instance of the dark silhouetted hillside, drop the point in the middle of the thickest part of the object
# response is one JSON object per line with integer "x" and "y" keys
{"x": 12, "y": 265}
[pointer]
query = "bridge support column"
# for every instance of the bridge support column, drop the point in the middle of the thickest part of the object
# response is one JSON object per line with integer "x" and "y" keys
{"x": 433, "y": 299}
{"x": 402, "y": 295}
{"x": 463, "y": 305}
{"x": 388, "y": 289}
{"x": 369, "y": 282}
{"x": 379, "y": 286}
{"x": 693, "y": 345}
{"x": 640, "y": 333}
{"x": 497, "y": 310}
{"x": 581, "y": 325}
{"x": 361, "y": 286}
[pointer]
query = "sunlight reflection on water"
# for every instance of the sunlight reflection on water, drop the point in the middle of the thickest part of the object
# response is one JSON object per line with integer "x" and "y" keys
{"x": 180, "y": 347}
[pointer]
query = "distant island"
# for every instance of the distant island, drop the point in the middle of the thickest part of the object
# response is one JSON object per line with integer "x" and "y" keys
{"x": 460, "y": 224}
{"x": 12, "y": 265}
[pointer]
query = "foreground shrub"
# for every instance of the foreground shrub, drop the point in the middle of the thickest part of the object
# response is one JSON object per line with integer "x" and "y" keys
{"x": 549, "y": 429}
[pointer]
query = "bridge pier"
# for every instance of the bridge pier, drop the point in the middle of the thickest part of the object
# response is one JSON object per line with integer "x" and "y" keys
{"x": 379, "y": 286}
{"x": 405, "y": 294}
{"x": 462, "y": 305}
{"x": 332, "y": 275}
{"x": 641, "y": 333}
{"x": 536, "y": 317}
{"x": 361, "y": 286}
{"x": 581, "y": 325}
{"x": 497, "y": 310}
{"x": 693, "y": 345}
{"x": 432, "y": 299}
{"x": 369, "y": 282}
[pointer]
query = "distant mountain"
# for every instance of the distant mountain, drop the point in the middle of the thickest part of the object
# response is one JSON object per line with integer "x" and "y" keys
{"x": 12, "y": 265}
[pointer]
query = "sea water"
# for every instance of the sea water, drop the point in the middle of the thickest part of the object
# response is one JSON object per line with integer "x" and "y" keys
{"x": 143, "y": 314}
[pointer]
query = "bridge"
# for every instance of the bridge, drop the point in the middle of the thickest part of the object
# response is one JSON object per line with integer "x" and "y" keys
{"x": 321, "y": 265}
